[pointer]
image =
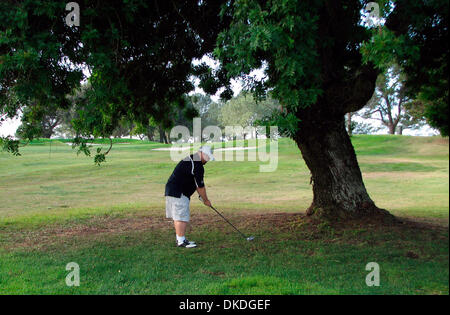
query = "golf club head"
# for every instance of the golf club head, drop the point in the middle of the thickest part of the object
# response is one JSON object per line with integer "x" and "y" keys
{"x": 250, "y": 238}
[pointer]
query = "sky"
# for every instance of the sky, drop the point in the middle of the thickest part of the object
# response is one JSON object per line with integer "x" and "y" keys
{"x": 9, "y": 127}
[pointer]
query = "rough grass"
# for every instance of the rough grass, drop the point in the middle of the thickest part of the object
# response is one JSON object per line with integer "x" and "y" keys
{"x": 135, "y": 254}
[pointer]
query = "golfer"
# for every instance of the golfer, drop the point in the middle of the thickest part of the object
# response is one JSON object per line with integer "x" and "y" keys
{"x": 187, "y": 177}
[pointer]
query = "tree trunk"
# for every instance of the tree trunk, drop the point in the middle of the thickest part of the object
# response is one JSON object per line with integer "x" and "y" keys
{"x": 47, "y": 133}
{"x": 349, "y": 124}
{"x": 391, "y": 129}
{"x": 163, "y": 138}
{"x": 161, "y": 134}
{"x": 338, "y": 187}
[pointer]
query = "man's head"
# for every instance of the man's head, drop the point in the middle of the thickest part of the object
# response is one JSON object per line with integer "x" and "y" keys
{"x": 206, "y": 154}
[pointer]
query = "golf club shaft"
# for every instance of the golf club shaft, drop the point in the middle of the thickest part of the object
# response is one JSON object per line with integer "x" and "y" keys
{"x": 228, "y": 221}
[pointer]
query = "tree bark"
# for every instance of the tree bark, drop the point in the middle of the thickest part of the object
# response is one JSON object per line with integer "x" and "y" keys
{"x": 338, "y": 187}
{"x": 162, "y": 135}
{"x": 47, "y": 133}
{"x": 349, "y": 124}
{"x": 166, "y": 138}
{"x": 391, "y": 129}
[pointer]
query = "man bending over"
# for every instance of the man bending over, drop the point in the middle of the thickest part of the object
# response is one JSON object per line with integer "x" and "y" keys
{"x": 187, "y": 177}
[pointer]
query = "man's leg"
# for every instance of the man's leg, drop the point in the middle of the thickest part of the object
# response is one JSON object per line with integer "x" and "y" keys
{"x": 180, "y": 227}
{"x": 181, "y": 215}
{"x": 180, "y": 230}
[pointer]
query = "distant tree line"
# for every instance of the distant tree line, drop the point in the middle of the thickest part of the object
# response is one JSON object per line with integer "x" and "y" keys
{"x": 241, "y": 110}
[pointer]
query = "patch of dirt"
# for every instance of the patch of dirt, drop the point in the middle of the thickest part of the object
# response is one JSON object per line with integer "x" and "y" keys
{"x": 441, "y": 141}
{"x": 428, "y": 223}
{"x": 412, "y": 255}
{"x": 389, "y": 160}
{"x": 401, "y": 175}
{"x": 293, "y": 223}
{"x": 95, "y": 226}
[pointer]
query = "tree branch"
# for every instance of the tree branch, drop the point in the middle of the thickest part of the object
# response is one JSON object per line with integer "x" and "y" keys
{"x": 361, "y": 88}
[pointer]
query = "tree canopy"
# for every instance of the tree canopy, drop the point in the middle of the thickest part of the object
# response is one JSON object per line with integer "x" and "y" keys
{"x": 416, "y": 37}
{"x": 139, "y": 55}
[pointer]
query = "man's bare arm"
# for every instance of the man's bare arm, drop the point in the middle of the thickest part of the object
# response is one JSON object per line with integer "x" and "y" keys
{"x": 202, "y": 192}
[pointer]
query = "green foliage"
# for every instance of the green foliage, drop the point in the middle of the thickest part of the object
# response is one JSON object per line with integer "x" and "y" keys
{"x": 417, "y": 38}
{"x": 141, "y": 130}
{"x": 287, "y": 123}
{"x": 10, "y": 145}
{"x": 245, "y": 111}
{"x": 207, "y": 109}
{"x": 84, "y": 146}
{"x": 124, "y": 128}
{"x": 39, "y": 121}
{"x": 280, "y": 35}
{"x": 360, "y": 128}
{"x": 99, "y": 157}
{"x": 33, "y": 46}
{"x": 383, "y": 46}
{"x": 436, "y": 106}
{"x": 310, "y": 54}
{"x": 139, "y": 55}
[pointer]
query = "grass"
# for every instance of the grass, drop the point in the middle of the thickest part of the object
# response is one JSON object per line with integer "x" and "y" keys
{"x": 57, "y": 207}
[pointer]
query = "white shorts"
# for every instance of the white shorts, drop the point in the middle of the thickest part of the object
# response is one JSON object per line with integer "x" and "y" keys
{"x": 178, "y": 208}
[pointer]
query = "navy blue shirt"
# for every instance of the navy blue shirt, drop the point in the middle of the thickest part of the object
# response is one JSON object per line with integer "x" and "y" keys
{"x": 186, "y": 177}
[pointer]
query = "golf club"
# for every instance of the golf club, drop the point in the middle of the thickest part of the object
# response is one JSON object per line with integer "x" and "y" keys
{"x": 250, "y": 238}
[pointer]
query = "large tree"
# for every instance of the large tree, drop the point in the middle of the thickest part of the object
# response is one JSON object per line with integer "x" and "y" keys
{"x": 45, "y": 127}
{"x": 310, "y": 51}
{"x": 390, "y": 103}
